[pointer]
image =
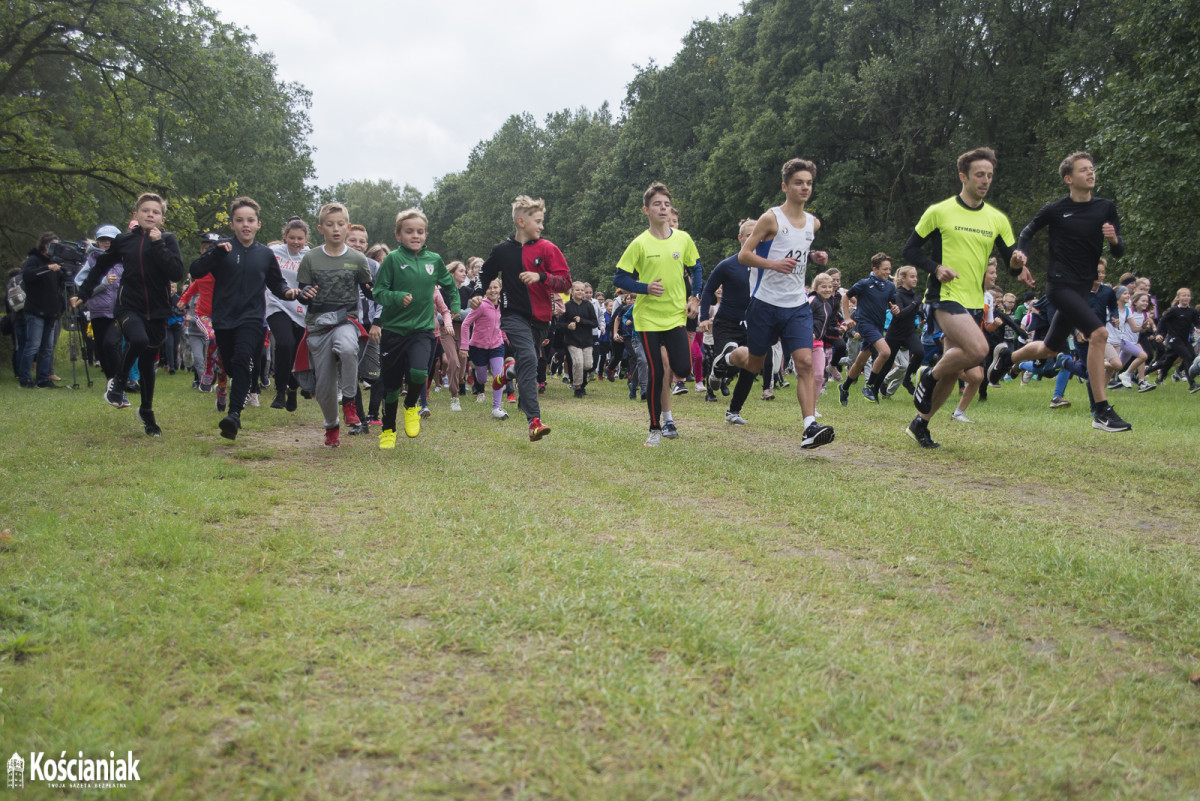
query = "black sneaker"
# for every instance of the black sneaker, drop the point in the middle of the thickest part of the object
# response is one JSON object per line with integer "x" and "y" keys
{"x": 710, "y": 397}
{"x": 280, "y": 401}
{"x": 114, "y": 394}
{"x": 680, "y": 388}
{"x": 870, "y": 393}
{"x": 146, "y": 418}
{"x": 1001, "y": 361}
{"x": 721, "y": 367}
{"x": 923, "y": 396}
{"x": 816, "y": 435}
{"x": 291, "y": 400}
{"x": 1193, "y": 389}
{"x": 1109, "y": 420}
{"x": 918, "y": 431}
{"x": 230, "y": 424}
{"x": 844, "y": 393}
{"x": 669, "y": 431}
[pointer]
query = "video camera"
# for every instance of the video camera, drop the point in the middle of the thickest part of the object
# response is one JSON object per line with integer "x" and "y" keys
{"x": 68, "y": 255}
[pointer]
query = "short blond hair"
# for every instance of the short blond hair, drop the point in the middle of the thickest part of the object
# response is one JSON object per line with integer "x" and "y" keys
{"x": 821, "y": 278}
{"x": 524, "y": 206}
{"x": 745, "y": 224}
{"x": 410, "y": 214}
{"x": 331, "y": 208}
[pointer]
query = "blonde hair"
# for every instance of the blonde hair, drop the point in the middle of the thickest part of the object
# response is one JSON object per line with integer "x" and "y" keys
{"x": 744, "y": 224}
{"x": 525, "y": 206}
{"x": 379, "y": 248}
{"x": 410, "y": 214}
{"x": 148, "y": 196}
{"x": 821, "y": 278}
{"x": 331, "y": 208}
{"x": 904, "y": 271}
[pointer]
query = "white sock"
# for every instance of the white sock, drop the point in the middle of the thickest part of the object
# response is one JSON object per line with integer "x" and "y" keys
{"x": 667, "y": 418}
{"x": 809, "y": 421}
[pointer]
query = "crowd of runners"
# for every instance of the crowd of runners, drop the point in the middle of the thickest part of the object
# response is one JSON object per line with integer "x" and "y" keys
{"x": 374, "y": 333}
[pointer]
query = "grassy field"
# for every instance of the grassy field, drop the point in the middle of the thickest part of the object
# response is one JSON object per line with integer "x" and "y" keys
{"x": 472, "y": 616}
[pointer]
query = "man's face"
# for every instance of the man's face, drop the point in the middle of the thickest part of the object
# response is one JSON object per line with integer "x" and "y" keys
{"x": 357, "y": 240}
{"x": 412, "y": 234}
{"x": 798, "y": 188}
{"x": 978, "y": 178}
{"x": 1082, "y": 175}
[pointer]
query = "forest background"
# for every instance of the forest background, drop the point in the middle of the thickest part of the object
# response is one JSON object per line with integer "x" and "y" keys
{"x": 881, "y": 95}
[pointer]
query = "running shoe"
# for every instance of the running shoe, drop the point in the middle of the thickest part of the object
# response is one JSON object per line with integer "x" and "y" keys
{"x": 541, "y": 391}
{"x": 498, "y": 381}
{"x": 1193, "y": 389}
{"x": 700, "y": 386}
{"x": 734, "y": 419}
{"x": 654, "y": 438}
{"x": 1126, "y": 379}
{"x": 1178, "y": 374}
{"x": 710, "y": 398}
{"x": 1001, "y": 361}
{"x": 350, "y": 414}
{"x": 918, "y": 432}
{"x": 291, "y": 400}
{"x": 206, "y": 387}
{"x": 537, "y": 430}
{"x": 1026, "y": 377}
{"x": 960, "y": 416}
{"x": 387, "y": 439}
{"x": 844, "y": 394}
{"x": 455, "y": 405}
{"x": 725, "y": 389}
{"x": 115, "y": 396}
{"x": 252, "y": 399}
{"x": 146, "y": 418}
{"x": 579, "y": 393}
{"x": 230, "y": 424}
{"x": 512, "y": 396}
{"x": 870, "y": 393}
{"x": 721, "y": 368}
{"x": 1116, "y": 384}
{"x": 669, "y": 431}
{"x": 923, "y": 396}
{"x": 768, "y": 395}
{"x": 280, "y": 401}
{"x": 220, "y": 399}
{"x": 426, "y": 412}
{"x": 816, "y": 435}
{"x": 412, "y": 421}
{"x": 680, "y": 388}
{"x": 1109, "y": 420}
{"x": 783, "y": 382}
{"x": 510, "y": 368}
{"x": 332, "y": 439}
{"x": 499, "y": 414}
{"x": 374, "y": 421}
{"x": 1059, "y": 403}
{"x": 479, "y": 398}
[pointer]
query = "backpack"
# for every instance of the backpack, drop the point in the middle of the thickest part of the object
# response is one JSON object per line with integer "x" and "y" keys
{"x": 16, "y": 294}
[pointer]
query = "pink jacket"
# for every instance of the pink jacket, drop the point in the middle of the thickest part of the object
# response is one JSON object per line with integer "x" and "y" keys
{"x": 442, "y": 311}
{"x": 482, "y": 325}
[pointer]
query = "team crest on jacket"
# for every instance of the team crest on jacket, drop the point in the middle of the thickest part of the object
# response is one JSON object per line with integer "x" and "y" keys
{"x": 429, "y": 269}
{"x": 675, "y": 255}
{"x": 537, "y": 262}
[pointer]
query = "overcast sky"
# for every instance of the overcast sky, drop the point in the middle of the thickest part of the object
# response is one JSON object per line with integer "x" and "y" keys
{"x": 403, "y": 91}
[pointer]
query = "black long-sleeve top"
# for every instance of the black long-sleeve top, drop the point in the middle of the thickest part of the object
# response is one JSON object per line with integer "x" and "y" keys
{"x": 581, "y": 337}
{"x": 239, "y": 277}
{"x": 150, "y": 267}
{"x": 910, "y": 305}
{"x": 1178, "y": 322}
{"x": 733, "y": 278}
{"x": 1076, "y": 243}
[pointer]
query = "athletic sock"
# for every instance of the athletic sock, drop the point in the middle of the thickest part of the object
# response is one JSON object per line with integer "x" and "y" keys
{"x": 389, "y": 414}
{"x": 667, "y": 418}
{"x": 741, "y": 390}
{"x": 808, "y": 421}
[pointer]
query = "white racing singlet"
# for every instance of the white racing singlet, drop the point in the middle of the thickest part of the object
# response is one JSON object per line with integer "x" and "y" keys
{"x": 784, "y": 289}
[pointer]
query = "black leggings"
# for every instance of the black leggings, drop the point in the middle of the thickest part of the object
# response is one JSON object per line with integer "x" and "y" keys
{"x": 679, "y": 357}
{"x": 287, "y": 336}
{"x": 143, "y": 338}
{"x": 1174, "y": 348}
{"x": 916, "y": 352}
{"x": 108, "y": 345}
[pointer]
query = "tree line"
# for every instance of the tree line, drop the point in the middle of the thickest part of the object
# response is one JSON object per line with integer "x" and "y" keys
{"x": 881, "y": 95}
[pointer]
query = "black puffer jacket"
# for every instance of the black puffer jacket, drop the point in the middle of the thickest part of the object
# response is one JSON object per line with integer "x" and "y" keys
{"x": 43, "y": 286}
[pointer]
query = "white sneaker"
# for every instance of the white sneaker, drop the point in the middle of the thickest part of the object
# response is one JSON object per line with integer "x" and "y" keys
{"x": 455, "y": 405}
{"x": 699, "y": 386}
{"x": 1126, "y": 380}
{"x": 960, "y": 416}
{"x": 479, "y": 398}
{"x": 499, "y": 414}
{"x": 654, "y": 438}
{"x": 252, "y": 399}
{"x": 734, "y": 419}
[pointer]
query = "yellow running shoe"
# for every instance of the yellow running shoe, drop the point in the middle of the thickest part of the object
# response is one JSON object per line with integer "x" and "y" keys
{"x": 387, "y": 439}
{"x": 412, "y": 421}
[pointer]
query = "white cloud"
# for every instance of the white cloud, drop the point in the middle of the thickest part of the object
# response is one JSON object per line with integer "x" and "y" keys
{"x": 402, "y": 91}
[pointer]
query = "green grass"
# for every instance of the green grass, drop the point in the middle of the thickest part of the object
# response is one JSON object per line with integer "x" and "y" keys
{"x": 1014, "y": 616}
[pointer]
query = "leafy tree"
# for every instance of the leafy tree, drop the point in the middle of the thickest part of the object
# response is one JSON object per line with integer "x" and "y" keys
{"x": 374, "y": 205}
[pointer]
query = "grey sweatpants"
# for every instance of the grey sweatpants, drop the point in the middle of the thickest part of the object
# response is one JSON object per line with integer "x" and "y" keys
{"x": 525, "y": 339}
{"x": 333, "y": 354}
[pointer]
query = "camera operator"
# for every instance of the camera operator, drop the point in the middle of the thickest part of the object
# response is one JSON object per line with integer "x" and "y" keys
{"x": 43, "y": 280}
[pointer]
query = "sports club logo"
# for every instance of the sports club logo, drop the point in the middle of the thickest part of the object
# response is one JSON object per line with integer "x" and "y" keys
{"x": 16, "y": 771}
{"x": 429, "y": 269}
{"x": 675, "y": 255}
{"x": 784, "y": 231}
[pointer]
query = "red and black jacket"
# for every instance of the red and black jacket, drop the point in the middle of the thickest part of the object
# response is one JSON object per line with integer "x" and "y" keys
{"x": 509, "y": 259}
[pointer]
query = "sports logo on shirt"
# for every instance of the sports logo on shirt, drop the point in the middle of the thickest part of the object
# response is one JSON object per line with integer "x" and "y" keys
{"x": 537, "y": 262}
{"x": 784, "y": 230}
{"x": 403, "y": 266}
{"x": 675, "y": 255}
{"x": 429, "y": 269}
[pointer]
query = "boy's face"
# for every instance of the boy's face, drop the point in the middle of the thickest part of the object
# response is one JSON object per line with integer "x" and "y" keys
{"x": 674, "y": 218}
{"x": 334, "y": 228}
{"x": 493, "y": 291}
{"x": 357, "y": 240}
{"x": 532, "y": 225}
{"x": 884, "y": 271}
{"x": 1082, "y": 175}
{"x": 412, "y": 234}
{"x": 149, "y": 215}
{"x": 659, "y": 209}
{"x": 577, "y": 293}
{"x": 798, "y": 188}
{"x": 245, "y": 224}
{"x": 296, "y": 239}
